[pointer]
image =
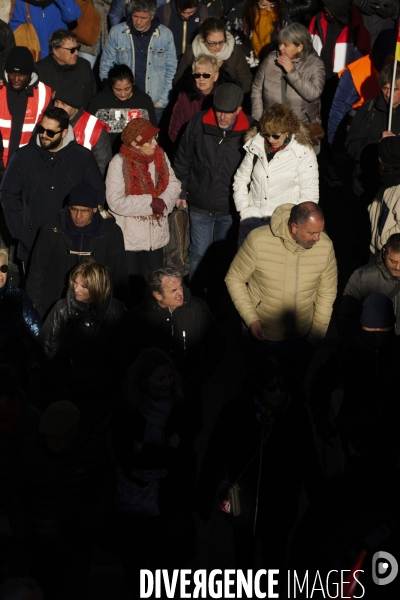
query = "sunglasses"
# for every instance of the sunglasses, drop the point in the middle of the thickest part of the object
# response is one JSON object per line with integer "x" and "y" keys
{"x": 49, "y": 132}
{"x": 72, "y": 50}
{"x": 274, "y": 136}
{"x": 4, "y": 268}
{"x": 203, "y": 75}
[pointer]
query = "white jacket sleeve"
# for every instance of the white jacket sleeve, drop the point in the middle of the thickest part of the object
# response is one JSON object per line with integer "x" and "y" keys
{"x": 241, "y": 183}
{"x": 308, "y": 178}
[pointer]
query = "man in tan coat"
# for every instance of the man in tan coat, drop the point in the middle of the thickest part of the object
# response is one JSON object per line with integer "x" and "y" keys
{"x": 283, "y": 280}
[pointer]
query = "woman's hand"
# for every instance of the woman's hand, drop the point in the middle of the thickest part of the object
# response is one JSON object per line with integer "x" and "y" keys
{"x": 285, "y": 62}
{"x": 173, "y": 440}
{"x": 178, "y": 203}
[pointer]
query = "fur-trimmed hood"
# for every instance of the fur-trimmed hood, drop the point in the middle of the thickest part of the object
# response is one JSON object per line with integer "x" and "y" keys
{"x": 302, "y": 137}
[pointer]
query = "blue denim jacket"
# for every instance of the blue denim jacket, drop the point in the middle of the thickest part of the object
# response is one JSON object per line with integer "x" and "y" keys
{"x": 161, "y": 63}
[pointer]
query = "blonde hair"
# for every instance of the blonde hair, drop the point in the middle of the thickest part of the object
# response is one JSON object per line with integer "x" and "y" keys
{"x": 204, "y": 59}
{"x": 279, "y": 119}
{"x": 4, "y": 255}
{"x": 96, "y": 277}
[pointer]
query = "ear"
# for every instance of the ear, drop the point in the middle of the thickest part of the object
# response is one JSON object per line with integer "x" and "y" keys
{"x": 238, "y": 110}
{"x": 300, "y": 47}
{"x": 293, "y": 228}
{"x": 216, "y": 76}
{"x": 157, "y": 296}
{"x": 94, "y": 210}
{"x": 64, "y": 133}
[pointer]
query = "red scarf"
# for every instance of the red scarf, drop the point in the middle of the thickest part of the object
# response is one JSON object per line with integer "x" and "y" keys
{"x": 136, "y": 172}
{"x": 9, "y": 416}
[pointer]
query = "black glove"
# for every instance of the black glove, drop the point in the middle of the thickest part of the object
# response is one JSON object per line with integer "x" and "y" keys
{"x": 388, "y": 9}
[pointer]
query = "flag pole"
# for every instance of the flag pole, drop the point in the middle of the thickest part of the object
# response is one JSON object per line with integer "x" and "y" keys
{"x": 396, "y": 59}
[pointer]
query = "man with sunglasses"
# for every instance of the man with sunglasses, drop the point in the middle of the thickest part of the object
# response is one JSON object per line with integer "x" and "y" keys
{"x": 40, "y": 176}
{"x": 64, "y": 67}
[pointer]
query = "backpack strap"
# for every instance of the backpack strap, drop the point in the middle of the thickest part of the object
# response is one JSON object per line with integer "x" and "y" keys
{"x": 166, "y": 14}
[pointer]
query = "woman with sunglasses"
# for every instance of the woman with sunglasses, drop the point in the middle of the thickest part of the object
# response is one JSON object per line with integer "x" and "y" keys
{"x": 280, "y": 166}
{"x": 18, "y": 320}
{"x": 295, "y": 76}
{"x": 214, "y": 40}
{"x": 46, "y": 16}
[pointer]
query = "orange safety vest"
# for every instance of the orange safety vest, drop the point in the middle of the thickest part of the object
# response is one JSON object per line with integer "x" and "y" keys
{"x": 87, "y": 130}
{"x": 35, "y": 106}
{"x": 365, "y": 79}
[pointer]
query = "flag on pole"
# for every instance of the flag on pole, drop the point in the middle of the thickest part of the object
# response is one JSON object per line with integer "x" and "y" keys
{"x": 397, "y": 53}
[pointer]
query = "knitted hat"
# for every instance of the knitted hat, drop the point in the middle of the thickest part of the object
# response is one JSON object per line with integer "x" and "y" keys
{"x": 228, "y": 97}
{"x": 73, "y": 96}
{"x": 139, "y": 131}
{"x": 83, "y": 194}
{"x": 389, "y": 150}
{"x": 19, "y": 60}
{"x": 377, "y": 312}
{"x": 59, "y": 418}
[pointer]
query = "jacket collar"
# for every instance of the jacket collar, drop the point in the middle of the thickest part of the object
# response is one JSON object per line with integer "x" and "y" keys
{"x": 241, "y": 123}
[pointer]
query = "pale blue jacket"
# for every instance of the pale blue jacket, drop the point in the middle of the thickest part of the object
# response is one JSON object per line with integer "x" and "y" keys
{"x": 161, "y": 59}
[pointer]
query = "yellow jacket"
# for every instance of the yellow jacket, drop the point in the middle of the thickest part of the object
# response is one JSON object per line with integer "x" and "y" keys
{"x": 288, "y": 288}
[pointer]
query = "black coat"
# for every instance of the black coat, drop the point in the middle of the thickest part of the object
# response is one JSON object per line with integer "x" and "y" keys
{"x": 51, "y": 263}
{"x": 59, "y": 496}
{"x": 18, "y": 319}
{"x": 189, "y": 334}
{"x": 362, "y": 143}
{"x": 206, "y": 162}
{"x": 175, "y": 23}
{"x": 36, "y": 185}
{"x": 78, "y": 77}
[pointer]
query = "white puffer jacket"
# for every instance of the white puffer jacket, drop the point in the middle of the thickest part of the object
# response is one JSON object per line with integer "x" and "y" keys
{"x": 134, "y": 213}
{"x": 290, "y": 177}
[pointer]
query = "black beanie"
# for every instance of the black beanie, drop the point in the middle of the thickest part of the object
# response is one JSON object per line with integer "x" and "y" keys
{"x": 83, "y": 194}
{"x": 389, "y": 150}
{"x": 19, "y": 60}
{"x": 70, "y": 95}
{"x": 228, "y": 97}
{"x": 377, "y": 312}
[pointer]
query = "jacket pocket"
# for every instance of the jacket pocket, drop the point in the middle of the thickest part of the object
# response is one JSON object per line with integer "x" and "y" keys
{"x": 122, "y": 56}
{"x": 159, "y": 57}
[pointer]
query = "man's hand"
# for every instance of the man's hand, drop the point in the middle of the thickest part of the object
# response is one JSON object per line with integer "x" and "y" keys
{"x": 181, "y": 200}
{"x": 387, "y": 134}
{"x": 257, "y": 331}
{"x": 285, "y": 62}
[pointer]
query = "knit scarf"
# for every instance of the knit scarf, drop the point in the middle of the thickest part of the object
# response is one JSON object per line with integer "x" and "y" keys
{"x": 9, "y": 416}
{"x": 199, "y": 47}
{"x": 136, "y": 174}
{"x": 263, "y": 28}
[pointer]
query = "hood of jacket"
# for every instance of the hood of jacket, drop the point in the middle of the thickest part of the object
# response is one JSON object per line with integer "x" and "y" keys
{"x": 302, "y": 137}
{"x": 279, "y": 227}
{"x": 34, "y": 80}
{"x": 69, "y": 138}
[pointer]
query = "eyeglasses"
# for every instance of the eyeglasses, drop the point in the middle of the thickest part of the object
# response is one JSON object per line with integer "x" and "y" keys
{"x": 83, "y": 211}
{"x": 49, "y": 132}
{"x": 274, "y": 136}
{"x": 203, "y": 75}
{"x": 72, "y": 50}
{"x": 215, "y": 44}
{"x": 4, "y": 268}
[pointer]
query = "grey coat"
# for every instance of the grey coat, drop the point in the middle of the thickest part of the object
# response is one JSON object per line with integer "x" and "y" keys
{"x": 304, "y": 85}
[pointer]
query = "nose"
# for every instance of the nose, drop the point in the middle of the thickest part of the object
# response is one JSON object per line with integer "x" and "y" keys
{"x": 316, "y": 237}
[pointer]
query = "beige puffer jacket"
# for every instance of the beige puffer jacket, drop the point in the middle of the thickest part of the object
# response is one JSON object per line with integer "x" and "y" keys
{"x": 305, "y": 83}
{"x": 288, "y": 288}
{"x": 390, "y": 203}
{"x": 134, "y": 213}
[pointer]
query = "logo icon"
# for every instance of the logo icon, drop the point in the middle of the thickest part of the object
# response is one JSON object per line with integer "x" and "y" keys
{"x": 384, "y": 568}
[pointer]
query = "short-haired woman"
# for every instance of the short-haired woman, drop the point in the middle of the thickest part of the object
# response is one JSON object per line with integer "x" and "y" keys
{"x": 280, "y": 166}
{"x": 79, "y": 338}
{"x": 119, "y": 102}
{"x": 214, "y": 40}
{"x": 294, "y": 76}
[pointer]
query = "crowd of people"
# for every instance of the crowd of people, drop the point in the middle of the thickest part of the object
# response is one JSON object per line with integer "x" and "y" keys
{"x": 160, "y": 188}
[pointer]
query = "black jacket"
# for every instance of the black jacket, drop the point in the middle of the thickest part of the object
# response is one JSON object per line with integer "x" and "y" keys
{"x": 104, "y": 107}
{"x": 368, "y": 279}
{"x": 60, "y": 496}
{"x": 79, "y": 76}
{"x": 175, "y": 23}
{"x": 362, "y": 143}
{"x": 51, "y": 262}
{"x": 206, "y": 162}
{"x": 189, "y": 334}
{"x": 18, "y": 318}
{"x": 37, "y": 182}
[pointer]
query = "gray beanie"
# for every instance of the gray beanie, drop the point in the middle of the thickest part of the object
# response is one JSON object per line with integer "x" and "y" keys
{"x": 228, "y": 97}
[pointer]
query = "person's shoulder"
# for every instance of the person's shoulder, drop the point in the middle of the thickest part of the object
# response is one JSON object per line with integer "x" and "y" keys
{"x": 120, "y": 28}
{"x": 164, "y": 32}
{"x": 84, "y": 64}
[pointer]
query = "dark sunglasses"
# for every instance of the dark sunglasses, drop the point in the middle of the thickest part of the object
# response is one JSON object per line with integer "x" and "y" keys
{"x": 4, "y": 268}
{"x": 49, "y": 132}
{"x": 203, "y": 75}
{"x": 72, "y": 50}
{"x": 274, "y": 136}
